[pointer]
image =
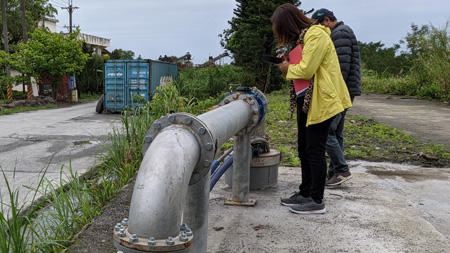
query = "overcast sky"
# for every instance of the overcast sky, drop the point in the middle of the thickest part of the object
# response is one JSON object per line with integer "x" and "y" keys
{"x": 152, "y": 28}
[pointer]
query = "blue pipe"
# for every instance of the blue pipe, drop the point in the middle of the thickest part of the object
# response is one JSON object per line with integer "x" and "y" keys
{"x": 218, "y": 174}
{"x": 215, "y": 164}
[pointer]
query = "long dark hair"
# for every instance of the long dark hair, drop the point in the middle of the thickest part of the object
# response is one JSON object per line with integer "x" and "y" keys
{"x": 287, "y": 23}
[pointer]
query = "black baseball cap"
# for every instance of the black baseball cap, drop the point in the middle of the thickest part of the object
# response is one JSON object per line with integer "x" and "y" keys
{"x": 320, "y": 14}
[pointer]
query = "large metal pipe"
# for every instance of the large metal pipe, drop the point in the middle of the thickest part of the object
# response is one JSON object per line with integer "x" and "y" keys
{"x": 227, "y": 120}
{"x": 174, "y": 178}
{"x": 161, "y": 185}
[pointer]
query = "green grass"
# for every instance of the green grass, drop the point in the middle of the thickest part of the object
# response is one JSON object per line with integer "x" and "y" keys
{"x": 84, "y": 98}
{"x": 364, "y": 139}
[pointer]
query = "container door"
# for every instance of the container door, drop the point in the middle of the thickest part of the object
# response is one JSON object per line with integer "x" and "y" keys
{"x": 162, "y": 73}
{"x": 138, "y": 79}
{"x": 115, "y": 86}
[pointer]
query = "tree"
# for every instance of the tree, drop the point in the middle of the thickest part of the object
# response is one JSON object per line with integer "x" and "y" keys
{"x": 250, "y": 37}
{"x": 90, "y": 79}
{"x": 384, "y": 60}
{"x": 50, "y": 55}
{"x": 36, "y": 10}
{"x": 120, "y": 54}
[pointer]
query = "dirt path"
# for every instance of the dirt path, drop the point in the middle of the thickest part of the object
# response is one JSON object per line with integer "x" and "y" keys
{"x": 426, "y": 120}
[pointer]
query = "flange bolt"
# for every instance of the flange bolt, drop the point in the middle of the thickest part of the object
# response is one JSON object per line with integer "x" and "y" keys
{"x": 170, "y": 241}
{"x": 172, "y": 118}
{"x": 184, "y": 237}
{"x": 121, "y": 232}
{"x": 151, "y": 241}
{"x": 133, "y": 238}
{"x": 189, "y": 232}
{"x": 118, "y": 226}
{"x": 125, "y": 222}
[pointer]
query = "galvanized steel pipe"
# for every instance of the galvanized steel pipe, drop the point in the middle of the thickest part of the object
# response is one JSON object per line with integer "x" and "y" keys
{"x": 174, "y": 178}
{"x": 161, "y": 185}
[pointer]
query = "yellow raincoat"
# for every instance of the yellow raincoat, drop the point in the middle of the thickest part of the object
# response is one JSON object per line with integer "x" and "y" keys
{"x": 330, "y": 94}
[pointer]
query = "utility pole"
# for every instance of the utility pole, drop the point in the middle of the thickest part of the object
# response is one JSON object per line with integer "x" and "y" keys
{"x": 72, "y": 78}
{"x": 70, "y": 9}
{"x": 5, "y": 41}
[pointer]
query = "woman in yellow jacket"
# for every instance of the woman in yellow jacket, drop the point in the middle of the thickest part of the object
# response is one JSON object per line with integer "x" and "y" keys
{"x": 326, "y": 96}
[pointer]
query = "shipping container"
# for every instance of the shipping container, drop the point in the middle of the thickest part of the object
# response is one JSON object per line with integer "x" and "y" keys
{"x": 130, "y": 82}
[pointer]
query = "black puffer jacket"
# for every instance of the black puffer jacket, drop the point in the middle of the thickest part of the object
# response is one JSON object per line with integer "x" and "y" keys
{"x": 348, "y": 52}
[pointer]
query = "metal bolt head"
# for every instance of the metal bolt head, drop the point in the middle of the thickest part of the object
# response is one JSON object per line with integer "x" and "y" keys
{"x": 133, "y": 238}
{"x": 188, "y": 121}
{"x": 148, "y": 139}
{"x": 189, "y": 232}
{"x": 206, "y": 163}
{"x": 255, "y": 120}
{"x": 121, "y": 232}
{"x": 125, "y": 222}
{"x": 184, "y": 225}
{"x": 226, "y": 100}
{"x": 202, "y": 130}
{"x": 118, "y": 226}
{"x": 196, "y": 177}
{"x": 170, "y": 241}
{"x": 184, "y": 237}
{"x": 172, "y": 118}
{"x": 235, "y": 96}
{"x": 151, "y": 241}
{"x": 252, "y": 102}
{"x": 256, "y": 111}
{"x": 209, "y": 146}
{"x": 157, "y": 125}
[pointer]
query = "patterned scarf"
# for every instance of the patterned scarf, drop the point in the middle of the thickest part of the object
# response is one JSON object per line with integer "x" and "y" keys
{"x": 308, "y": 93}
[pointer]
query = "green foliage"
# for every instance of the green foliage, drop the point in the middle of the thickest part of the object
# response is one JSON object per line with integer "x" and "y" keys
{"x": 212, "y": 81}
{"x": 121, "y": 54}
{"x": 90, "y": 79}
{"x": 428, "y": 77}
{"x": 432, "y": 64}
{"x": 374, "y": 56}
{"x": 36, "y": 11}
{"x": 50, "y": 54}
{"x": 250, "y": 37}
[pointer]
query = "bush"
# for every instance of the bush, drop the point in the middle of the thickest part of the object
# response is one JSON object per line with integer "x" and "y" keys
{"x": 212, "y": 81}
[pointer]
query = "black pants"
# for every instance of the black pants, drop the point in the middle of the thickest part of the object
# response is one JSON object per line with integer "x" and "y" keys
{"x": 311, "y": 150}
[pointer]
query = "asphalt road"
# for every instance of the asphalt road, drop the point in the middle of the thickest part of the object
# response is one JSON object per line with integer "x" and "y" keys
{"x": 53, "y": 139}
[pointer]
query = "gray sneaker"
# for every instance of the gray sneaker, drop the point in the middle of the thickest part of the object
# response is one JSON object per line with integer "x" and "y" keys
{"x": 294, "y": 200}
{"x": 309, "y": 207}
{"x": 339, "y": 178}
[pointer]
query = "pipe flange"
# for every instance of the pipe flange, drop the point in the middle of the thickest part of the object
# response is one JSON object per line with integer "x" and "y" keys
{"x": 257, "y": 106}
{"x": 130, "y": 241}
{"x": 196, "y": 127}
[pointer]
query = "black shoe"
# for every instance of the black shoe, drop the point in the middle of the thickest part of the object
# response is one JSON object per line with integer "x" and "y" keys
{"x": 293, "y": 200}
{"x": 339, "y": 178}
{"x": 309, "y": 207}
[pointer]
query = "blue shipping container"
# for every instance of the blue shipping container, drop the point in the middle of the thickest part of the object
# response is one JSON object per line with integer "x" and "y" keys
{"x": 127, "y": 80}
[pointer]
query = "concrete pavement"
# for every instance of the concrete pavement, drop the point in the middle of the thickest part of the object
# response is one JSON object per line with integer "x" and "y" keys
{"x": 32, "y": 141}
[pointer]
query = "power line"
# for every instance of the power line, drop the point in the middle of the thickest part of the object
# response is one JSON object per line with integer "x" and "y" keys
{"x": 56, "y": 3}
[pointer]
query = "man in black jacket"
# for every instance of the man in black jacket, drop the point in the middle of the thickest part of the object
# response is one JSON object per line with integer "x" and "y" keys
{"x": 348, "y": 53}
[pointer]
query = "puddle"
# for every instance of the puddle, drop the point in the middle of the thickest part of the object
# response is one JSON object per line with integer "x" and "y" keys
{"x": 408, "y": 173}
{"x": 81, "y": 143}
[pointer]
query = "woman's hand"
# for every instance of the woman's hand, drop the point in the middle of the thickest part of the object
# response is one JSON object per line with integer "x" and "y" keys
{"x": 284, "y": 66}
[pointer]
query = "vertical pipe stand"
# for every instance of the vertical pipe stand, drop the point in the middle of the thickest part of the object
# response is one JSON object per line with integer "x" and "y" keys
{"x": 241, "y": 172}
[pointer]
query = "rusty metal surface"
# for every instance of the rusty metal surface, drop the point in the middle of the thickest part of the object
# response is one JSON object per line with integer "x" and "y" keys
{"x": 160, "y": 244}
